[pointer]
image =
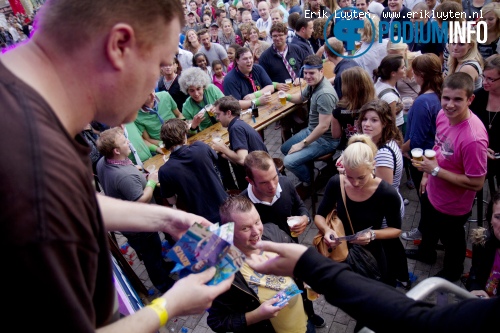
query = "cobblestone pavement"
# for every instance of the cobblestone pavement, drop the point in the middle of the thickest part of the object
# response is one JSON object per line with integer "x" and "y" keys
{"x": 336, "y": 320}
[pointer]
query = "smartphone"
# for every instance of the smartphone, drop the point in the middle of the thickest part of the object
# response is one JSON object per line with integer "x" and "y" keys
{"x": 497, "y": 156}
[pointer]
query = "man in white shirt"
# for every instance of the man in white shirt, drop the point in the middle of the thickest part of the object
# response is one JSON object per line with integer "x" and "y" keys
{"x": 264, "y": 22}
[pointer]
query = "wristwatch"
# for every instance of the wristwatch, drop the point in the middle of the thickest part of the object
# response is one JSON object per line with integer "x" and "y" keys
{"x": 373, "y": 235}
{"x": 305, "y": 142}
{"x": 435, "y": 171}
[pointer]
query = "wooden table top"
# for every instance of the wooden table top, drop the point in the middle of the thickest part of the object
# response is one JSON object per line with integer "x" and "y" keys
{"x": 268, "y": 114}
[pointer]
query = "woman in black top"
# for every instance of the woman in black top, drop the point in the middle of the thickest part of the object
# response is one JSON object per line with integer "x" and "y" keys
{"x": 169, "y": 81}
{"x": 368, "y": 200}
{"x": 486, "y": 106}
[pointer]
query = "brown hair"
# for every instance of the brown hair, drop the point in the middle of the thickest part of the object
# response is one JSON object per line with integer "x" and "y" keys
{"x": 278, "y": 27}
{"x": 357, "y": 89}
{"x": 257, "y": 159}
{"x": 389, "y": 128}
{"x": 460, "y": 80}
{"x": 228, "y": 103}
{"x": 233, "y": 204}
{"x": 83, "y": 20}
{"x": 173, "y": 132}
{"x": 428, "y": 66}
{"x": 107, "y": 141}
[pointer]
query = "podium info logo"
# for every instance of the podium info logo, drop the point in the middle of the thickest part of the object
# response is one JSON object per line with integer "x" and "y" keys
{"x": 347, "y": 23}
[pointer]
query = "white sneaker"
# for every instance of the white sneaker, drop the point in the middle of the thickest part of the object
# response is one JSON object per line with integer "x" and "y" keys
{"x": 411, "y": 235}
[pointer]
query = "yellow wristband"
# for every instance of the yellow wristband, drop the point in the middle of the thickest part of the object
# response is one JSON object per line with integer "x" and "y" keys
{"x": 158, "y": 305}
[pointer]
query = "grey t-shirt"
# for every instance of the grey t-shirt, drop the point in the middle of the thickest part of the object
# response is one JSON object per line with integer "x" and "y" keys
{"x": 124, "y": 182}
{"x": 216, "y": 52}
{"x": 323, "y": 101}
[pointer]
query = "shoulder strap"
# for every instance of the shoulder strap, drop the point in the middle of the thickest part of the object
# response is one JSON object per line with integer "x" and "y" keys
{"x": 342, "y": 190}
{"x": 386, "y": 91}
{"x": 471, "y": 63}
{"x": 393, "y": 157}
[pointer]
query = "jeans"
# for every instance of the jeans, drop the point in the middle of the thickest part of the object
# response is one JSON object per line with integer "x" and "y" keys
{"x": 297, "y": 162}
{"x": 436, "y": 226}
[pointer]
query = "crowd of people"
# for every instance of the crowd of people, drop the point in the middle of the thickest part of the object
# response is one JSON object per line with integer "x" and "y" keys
{"x": 133, "y": 79}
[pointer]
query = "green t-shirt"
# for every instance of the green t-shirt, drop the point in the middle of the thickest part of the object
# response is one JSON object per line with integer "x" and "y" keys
{"x": 135, "y": 138}
{"x": 190, "y": 108}
{"x": 150, "y": 123}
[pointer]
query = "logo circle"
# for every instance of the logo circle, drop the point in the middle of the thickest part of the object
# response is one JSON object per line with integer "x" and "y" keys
{"x": 347, "y": 16}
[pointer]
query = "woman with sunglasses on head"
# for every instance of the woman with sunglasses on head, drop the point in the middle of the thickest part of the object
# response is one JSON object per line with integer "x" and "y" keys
{"x": 486, "y": 105}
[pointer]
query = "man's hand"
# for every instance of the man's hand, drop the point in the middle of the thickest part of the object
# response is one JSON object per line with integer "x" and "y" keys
{"x": 265, "y": 99}
{"x": 426, "y": 165}
{"x": 198, "y": 118}
{"x": 282, "y": 87}
{"x": 153, "y": 176}
{"x": 296, "y": 147}
{"x": 423, "y": 184}
{"x": 281, "y": 265}
{"x": 180, "y": 221}
{"x": 491, "y": 154}
{"x": 266, "y": 310}
{"x": 190, "y": 295}
{"x": 219, "y": 147}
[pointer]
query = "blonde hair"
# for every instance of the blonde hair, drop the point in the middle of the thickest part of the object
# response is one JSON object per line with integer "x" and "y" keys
{"x": 368, "y": 32}
{"x": 495, "y": 8}
{"x": 360, "y": 152}
{"x": 471, "y": 55}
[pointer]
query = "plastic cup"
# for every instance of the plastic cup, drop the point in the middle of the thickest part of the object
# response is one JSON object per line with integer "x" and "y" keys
{"x": 407, "y": 103}
{"x": 289, "y": 82}
{"x": 430, "y": 154}
{"x": 417, "y": 154}
{"x": 291, "y": 222}
{"x": 311, "y": 294}
{"x": 151, "y": 168}
{"x": 210, "y": 110}
{"x": 216, "y": 138}
{"x": 282, "y": 97}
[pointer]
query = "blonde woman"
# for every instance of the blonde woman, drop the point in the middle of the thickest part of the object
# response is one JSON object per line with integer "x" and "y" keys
{"x": 227, "y": 35}
{"x": 491, "y": 15}
{"x": 406, "y": 86}
{"x": 369, "y": 60}
{"x": 191, "y": 43}
{"x": 368, "y": 200}
{"x": 465, "y": 57}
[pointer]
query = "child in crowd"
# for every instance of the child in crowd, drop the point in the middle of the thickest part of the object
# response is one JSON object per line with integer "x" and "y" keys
{"x": 218, "y": 77}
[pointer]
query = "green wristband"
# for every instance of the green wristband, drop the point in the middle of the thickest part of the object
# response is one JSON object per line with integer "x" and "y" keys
{"x": 151, "y": 183}
{"x": 258, "y": 94}
{"x": 152, "y": 147}
{"x": 275, "y": 84}
{"x": 288, "y": 97}
{"x": 256, "y": 102}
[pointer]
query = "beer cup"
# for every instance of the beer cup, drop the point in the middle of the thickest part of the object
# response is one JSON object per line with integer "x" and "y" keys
{"x": 430, "y": 154}
{"x": 311, "y": 294}
{"x": 282, "y": 97}
{"x": 291, "y": 222}
{"x": 289, "y": 82}
{"x": 417, "y": 153}
{"x": 209, "y": 109}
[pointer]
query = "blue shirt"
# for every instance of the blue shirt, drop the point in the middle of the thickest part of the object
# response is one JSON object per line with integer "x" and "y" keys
{"x": 236, "y": 84}
{"x": 273, "y": 64}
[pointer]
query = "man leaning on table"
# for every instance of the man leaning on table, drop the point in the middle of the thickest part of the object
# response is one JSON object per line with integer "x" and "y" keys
{"x": 315, "y": 140}
{"x": 248, "y": 82}
{"x": 243, "y": 139}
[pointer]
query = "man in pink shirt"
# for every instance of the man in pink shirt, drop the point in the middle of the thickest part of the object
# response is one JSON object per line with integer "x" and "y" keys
{"x": 452, "y": 178}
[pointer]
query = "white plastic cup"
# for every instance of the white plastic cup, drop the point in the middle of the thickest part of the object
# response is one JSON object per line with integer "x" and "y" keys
{"x": 430, "y": 154}
{"x": 291, "y": 222}
{"x": 417, "y": 153}
{"x": 288, "y": 82}
{"x": 407, "y": 103}
{"x": 282, "y": 97}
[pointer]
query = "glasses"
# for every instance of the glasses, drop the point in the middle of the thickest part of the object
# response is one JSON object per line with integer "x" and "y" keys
{"x": 489, "y": 79}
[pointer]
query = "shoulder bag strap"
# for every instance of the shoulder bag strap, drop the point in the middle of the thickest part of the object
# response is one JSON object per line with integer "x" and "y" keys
{"x": 342, "y": 190}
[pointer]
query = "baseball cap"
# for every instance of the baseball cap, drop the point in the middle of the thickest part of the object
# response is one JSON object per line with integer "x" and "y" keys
{"x": 190, "y": 13}
{"x": 214, "y": 25}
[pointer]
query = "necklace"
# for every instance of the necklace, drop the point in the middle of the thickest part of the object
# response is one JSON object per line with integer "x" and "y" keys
{"x": 491, "y": 120}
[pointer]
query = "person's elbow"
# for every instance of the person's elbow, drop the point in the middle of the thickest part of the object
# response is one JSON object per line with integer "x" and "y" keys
{"x": 478, "y": 183}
